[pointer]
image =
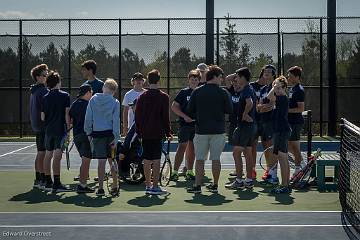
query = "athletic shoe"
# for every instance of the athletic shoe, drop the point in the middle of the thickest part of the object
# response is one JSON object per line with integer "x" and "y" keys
{"x": 270, "y": 181}
{"x": 96, "y": 179}
{"x": 183, "y": 171}
{"x": 157, "y": 191}
{"x": 265, "y": 175}
{"x": 235, "y": 185}
{"x": 77, "y": 178}
{"x": 190, "y": 175}
{"x": 36, "y": 184}
{"x": 58, "y": 188}
{"x": 249, "y": 184}
{"x": 86, "y": 189}
{"x": 115, "y": 192}
{"x": 253, "y": 174}
{"x": 212, "y": 188}
{"x": 48, "y": 186}
{"x": 281, "y": 189}
{"x": 174, "y": 177}
{"x": 100, "y": 192}
{"x": 147, "y": 190}
{"x": 233, "y": 174}
{"x": 194, "y": 189}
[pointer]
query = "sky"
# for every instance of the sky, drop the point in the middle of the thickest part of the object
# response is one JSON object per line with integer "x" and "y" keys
{"x": 170, "y": 8}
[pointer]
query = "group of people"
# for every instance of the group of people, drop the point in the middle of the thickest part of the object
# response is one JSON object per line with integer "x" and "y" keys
{"x": 264, "y": 108}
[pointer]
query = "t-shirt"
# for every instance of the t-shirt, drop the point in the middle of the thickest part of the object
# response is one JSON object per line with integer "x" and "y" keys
{"x": 129, "y": 97}
{"x": 182, "y": 98}
{"x": 96, "y": 85}
{"x": 296, "y": 94}
{"x": 246, "y": 92}
{"x": 209, "y": 104}
{"x": 77, "y": 113}
{"x": 266, "y": 116}
{"x": 256, "y": 86}
{"x": 54, "y": 104}
{"x": 235, "y": 96}
{"x": 280, "y": 114}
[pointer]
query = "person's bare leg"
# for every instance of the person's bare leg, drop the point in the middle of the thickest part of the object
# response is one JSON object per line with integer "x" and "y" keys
{"x": 101, "y": 172}
{"x": 84, "y": 170}
{"x": 147, "y": 172}
{"x": 269, "y": 156}
{"x": 179, "y": 156}
{"x": 156, "y": 172}
{"x": 254, "y": 152}
{"x": 294, "y": 148}
{"x": 285, "y": 170}
{"x": 190, "y": 155}
{"x": 249, "y": 162}
{"x": 57, "y": 162}
{"x": 199, "y": 172}
{"x": 238, "y": 161}
{"x": 47, "y": 162}
{"x": 39, "y": 161}
{"x": 216, "y": 169}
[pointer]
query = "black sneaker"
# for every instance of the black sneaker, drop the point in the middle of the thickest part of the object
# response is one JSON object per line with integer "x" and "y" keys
{"x": 100, "y": 192}
{"x": 86, "y": 189}
{"x": 115, "y": 192}
{"x": 48, "y": 186}
{"x": 194, "y": 189}
{"x": 212, "y": 188}
{"x": 60, "y": 188}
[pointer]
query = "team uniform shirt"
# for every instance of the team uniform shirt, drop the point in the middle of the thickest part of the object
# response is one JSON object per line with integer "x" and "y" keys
{"x": 296, "y": 94}
{"x": 129, "y": 97}
{"x": 280, "y": 114}
{"x": 54, "y": 104}
{"x": 96, "y": 85}
{"x": 256, "y": 87}
{"x": 235, "y": 97}
{"x": 182, "y": 98}
{"x": 266, "y": 116}
{"x": 246, "y": 93}
{"x": 77, "y": 113}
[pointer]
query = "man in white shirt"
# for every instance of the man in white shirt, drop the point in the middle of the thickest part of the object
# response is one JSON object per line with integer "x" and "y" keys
{"x": 128, "y": 116}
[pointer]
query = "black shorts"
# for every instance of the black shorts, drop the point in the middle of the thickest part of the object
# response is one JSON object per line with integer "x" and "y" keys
{"x": 83, "y": 145}
{"x": 232, "y": 128}
{"x": 280, "y": 142}
{"x": 152, "y": 149}
{"x": 40, "y": 141}
{"x": 266, "y": 130}
{"x": 53, "y": 142}
{"x": 100, "y": 147}
{"x": 186, "y": 133}
{"x": 295, "y": 131}
{"x": 244, "y": 135}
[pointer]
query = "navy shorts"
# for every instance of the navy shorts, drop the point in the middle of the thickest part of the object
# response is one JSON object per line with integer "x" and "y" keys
{"x": 244, "y": 135}
{"x": 152, "y": 149}
{"x": 186, "y": 133}
{"x": 83, "y": 145}
{"x": 40, "y": 141}
{"x": 296, "y": 131}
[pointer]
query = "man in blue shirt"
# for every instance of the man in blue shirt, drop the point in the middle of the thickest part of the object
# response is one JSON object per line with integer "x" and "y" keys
{"x": 88, "y": 70}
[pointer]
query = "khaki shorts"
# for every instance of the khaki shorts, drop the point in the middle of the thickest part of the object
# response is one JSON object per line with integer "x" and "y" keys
{"x": 213, "y": 143}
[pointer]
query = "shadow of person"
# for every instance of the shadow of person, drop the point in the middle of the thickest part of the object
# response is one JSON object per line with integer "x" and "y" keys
{"x": 283, "y": 199}
{"x": 83, "y": 200}
{"x": 246, "y": 194}
{"x": 35, "y": 196}
{"x": 208, "y": 200}
{"x": 149, "y": 200}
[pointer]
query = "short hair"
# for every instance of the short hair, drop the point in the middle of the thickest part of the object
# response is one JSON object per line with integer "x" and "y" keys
{"x": 214, "y": 71}
{"x": 194, "y": 73}
{"x": 244, "y": 72}
{"x": 273, "y": 69}
{"x": 37, "y": 70}
{"x": 153, "y": 76}
{"x": 90, "y": 64}
{"x": 296, "y": 71}
{"x": 282, "y": 79}
{"x": 52, "y": 79}
{"x": 111, "y": 84}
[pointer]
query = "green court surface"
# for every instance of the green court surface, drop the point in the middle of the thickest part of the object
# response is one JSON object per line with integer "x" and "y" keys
{"x": 16, "y": 195}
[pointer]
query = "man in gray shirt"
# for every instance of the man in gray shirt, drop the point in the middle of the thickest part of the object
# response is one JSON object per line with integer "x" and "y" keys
{"x": 209, "y": 104}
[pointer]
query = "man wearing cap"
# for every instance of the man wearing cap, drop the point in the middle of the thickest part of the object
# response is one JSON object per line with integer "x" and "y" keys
{"x": 77, "y": 117}
{"x": 128, "y": 116}
{"x": 203, "y": 68}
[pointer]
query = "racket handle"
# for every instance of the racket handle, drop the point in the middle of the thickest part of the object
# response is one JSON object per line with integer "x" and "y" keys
{"x": 112, "y": 152}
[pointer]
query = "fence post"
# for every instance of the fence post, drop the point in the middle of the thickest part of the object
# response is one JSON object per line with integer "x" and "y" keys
{"x": 279, "y": 71}
{"x": 69, "y": 53}
{"x": 119, "y": 66}
{"x": 217, "y": 42}
{"x": 20, "y": 80}
{"x": 209, "y": 32}
{"x": 168, "y": 60}
{"x": 321, "y": 77}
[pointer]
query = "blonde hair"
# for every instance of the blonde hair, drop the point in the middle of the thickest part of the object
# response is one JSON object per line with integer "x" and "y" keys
{"x": 282, "y": 80}
{"x": 111, "y": 84}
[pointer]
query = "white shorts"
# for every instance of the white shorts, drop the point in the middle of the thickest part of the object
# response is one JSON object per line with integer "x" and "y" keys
{"x": 213, "y": 143}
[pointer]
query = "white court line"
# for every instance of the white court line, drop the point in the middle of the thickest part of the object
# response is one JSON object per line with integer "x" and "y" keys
{"x": 167, "y": 226}
{"x": 3, "y": 155}
{"x": 151, "y": 212}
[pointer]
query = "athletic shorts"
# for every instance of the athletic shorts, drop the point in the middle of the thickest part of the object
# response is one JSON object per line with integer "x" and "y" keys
{"x": 213, "y": 143}
{"x": 295, "y": 131}
{"x": 152, "y": 149}
{"x": 231, "y": 133}
{"x": 280, "y": 142}
{"x": 83, "y": 145}
{"x": 53, "y": 142}
{"x": 266, "y": 130}
{"x": 40, "y": 141}
{"x": 100, "y": 147}
{"x": 186, "y": 133}
{"x": 244, "y": 135}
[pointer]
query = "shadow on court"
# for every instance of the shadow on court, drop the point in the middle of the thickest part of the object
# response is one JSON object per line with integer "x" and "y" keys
{"x": 208, "y": 200}
{"x": 35, "y": 196}
{"x": 246, "y": 194}
{"x": 83, "y": 200}
{"x": 148, "y": 200}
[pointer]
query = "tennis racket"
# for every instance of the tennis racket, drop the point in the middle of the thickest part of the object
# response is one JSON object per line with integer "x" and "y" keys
{"x": 270, "y": 150}
{"x": 166, "y": 168}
